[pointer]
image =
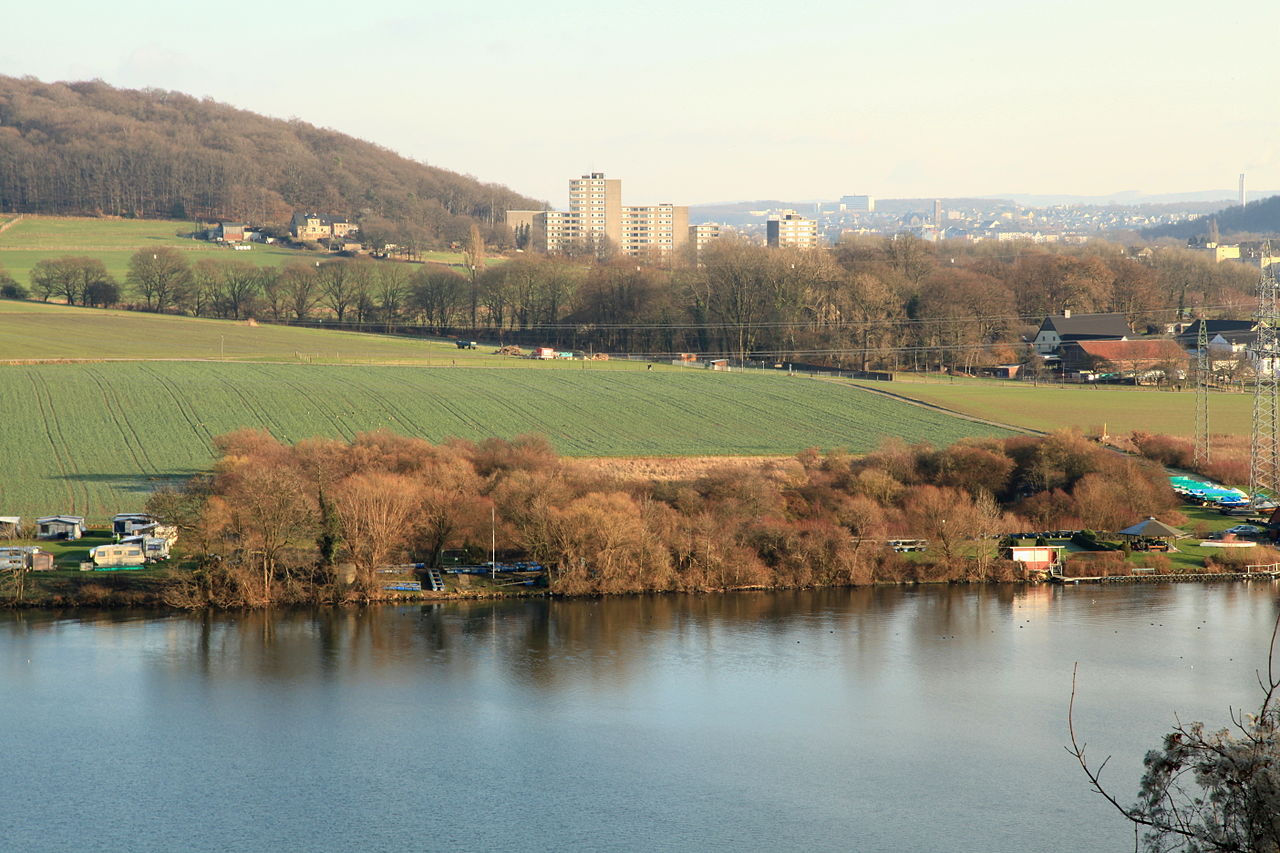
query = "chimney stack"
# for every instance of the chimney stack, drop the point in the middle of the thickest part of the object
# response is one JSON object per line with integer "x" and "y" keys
{"x": 1242, "y": 196}
{"x": 1066, "y": 313}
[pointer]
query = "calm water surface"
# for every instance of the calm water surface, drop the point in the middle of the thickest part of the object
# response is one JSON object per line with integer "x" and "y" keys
{"x": 877, "y": 720}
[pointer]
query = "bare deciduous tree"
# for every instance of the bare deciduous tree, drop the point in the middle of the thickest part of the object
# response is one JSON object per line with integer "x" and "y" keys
{"x": 1205, "y": 790}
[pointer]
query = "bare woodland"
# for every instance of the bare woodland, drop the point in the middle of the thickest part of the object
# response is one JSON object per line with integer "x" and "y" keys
{"x": 91, "y": 149}
{"x": 273, "y": 521}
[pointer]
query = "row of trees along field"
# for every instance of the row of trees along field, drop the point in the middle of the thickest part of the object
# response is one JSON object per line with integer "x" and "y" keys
{"x": 92, "y": 149}
{"x": 273, "y": 521}
{"x": 866, "y": 303}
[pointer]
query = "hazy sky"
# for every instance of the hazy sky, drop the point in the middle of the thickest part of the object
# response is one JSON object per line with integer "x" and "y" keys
{"x": 706, "y": 100}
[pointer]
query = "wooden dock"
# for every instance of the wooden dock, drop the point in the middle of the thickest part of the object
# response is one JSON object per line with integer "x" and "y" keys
{"x": 1180, "y": 577}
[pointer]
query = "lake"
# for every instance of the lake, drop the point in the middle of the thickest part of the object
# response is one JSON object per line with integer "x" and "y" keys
{"x": 926, "y": 719}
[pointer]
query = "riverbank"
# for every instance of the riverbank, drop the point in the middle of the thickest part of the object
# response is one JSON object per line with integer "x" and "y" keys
{"x": 169, "y": 589}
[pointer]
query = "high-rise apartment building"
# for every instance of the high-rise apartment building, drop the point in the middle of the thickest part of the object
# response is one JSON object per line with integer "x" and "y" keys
{"x": 596, "y": 218}
{"x": 703, "y": 235}
{"x": 791, "y": 230}
{"x": 660, "y": 227}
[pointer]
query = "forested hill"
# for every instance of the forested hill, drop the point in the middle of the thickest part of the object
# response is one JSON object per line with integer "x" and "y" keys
{"x": 92, "y": 149}
{"x": 1258, "y": 218}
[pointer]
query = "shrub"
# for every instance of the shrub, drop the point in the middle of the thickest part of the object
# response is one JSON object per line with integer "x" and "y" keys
{"x": 1230, "y": 471}
{"x": 1165, "y": 449}
{"x": 1095, "y": 564}
{"x": 1085, "y": 539}
{"x": 1236, "y": 559}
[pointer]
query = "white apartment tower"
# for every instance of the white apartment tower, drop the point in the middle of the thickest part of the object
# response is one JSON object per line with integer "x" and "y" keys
{"x": 791, "y": 230}
{"x": 596, "y": 217}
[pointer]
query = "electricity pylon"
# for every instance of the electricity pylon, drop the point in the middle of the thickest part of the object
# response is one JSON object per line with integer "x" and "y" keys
{"x": 1264, "y": 455}
{"x": 1203, "y": 371}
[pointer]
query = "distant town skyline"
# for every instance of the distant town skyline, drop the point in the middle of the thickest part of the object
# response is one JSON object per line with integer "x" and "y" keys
{"x": 726, "y": 101}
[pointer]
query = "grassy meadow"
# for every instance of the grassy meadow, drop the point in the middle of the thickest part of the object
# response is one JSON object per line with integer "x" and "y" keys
{"x": 96, "y": 438}
{"x": 34, "y": 238}
{"x": 34, "y": 331}
{"x": 1048, "y": 407}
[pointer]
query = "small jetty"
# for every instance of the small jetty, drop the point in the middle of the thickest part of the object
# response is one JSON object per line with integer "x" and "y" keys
{"x": 1140, "y": 576}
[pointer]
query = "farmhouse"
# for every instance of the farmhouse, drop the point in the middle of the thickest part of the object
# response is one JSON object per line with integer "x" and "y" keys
{"x": 313, "y": 227}
{"x": 9, "y": 526}
{"x": 60, "y": 527}
{"x": 1231, "y": 348}
{"x": 1189, "y": 337}
{"x": 1146, "y": 359}
{"x": 1056, "y": 330}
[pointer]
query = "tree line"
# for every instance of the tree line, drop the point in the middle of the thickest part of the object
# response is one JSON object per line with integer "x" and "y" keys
{"x": 92, "y": 149}
{"x": 867, "y": 303}
{"x": 274, "y": 522}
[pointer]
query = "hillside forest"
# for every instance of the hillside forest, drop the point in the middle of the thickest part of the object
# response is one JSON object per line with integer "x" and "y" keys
{"x": 92, "y": 149}
{"x": 867, "y": 303}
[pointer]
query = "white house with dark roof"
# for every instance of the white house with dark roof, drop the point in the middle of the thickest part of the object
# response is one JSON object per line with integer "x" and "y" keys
{"x": 1057, "y": 330}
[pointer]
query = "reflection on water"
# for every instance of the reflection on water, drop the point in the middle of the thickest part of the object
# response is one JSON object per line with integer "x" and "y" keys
{"x": 877, "y": 718}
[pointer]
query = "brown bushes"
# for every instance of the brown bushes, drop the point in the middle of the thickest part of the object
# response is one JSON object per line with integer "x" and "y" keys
{"x": 273, "y": 520}
{"x": 1164, "y": 449}
{"x": 1238, "y": 559}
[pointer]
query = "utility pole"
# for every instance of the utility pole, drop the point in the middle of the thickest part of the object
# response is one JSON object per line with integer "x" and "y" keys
{"x": 1264, "y": 456}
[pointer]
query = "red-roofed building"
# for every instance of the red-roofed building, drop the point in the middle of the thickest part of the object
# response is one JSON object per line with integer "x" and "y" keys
{"x": 1151, "y": 358}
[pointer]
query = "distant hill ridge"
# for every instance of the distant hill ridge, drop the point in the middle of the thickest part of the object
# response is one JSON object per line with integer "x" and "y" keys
{"x": 92, "y": 149}
{"x": 1260, "y": 218}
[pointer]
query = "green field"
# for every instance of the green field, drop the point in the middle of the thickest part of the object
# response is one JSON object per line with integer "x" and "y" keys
{"x": 94, "y": 439}
{"x": 33, "y": 331}
{"x": 1120, "y": 409}
{"x": 113, "y": 241}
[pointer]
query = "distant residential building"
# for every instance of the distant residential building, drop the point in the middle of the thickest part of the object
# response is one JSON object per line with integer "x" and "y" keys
{"x": 529, "y": 228}
{"x": 858, "y": 203}
{"x": 314, "y": 227}
{"x": 1056, "y": 330}
{"x": 597, "y": 218}
{"x": 659, "y": 227}
{"x": 1219, "y": 252}
{"x": 1189, "y": 337}
{"x": 9, "y": 526}
{"x": 703, "y": 235}
{"x": 791, "y": 230}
